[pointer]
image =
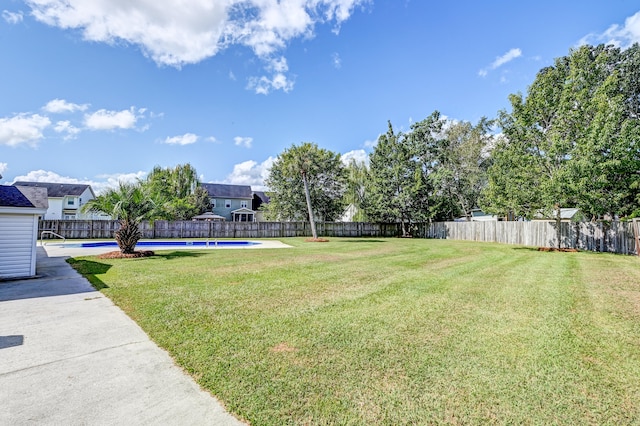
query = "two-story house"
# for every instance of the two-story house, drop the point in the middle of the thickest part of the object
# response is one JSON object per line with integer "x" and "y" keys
{"x": 233, "y": 202}
{"x": 65, "y": 200}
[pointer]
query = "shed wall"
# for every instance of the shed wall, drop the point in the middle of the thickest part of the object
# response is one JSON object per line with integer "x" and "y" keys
{"x": 18, "y": 245}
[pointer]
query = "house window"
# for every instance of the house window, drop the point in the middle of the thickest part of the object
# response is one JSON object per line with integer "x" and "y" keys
{"x": 213, "y": 203}
{"x": 71, "y": 201}
{"x": 69, "y": 217}
{"x": 243, "y": 204}
{"x": 227, "y": 203}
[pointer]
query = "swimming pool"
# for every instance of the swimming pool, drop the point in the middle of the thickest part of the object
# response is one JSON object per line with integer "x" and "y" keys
{"x": 173, "y": 244}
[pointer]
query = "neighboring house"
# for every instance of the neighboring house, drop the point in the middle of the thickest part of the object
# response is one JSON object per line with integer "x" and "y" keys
{"x": 233, "y": 202}
{"x": 20, "y": 209}
{"x": 65, "y": 200}
{"x": 259, "y": 199}
{"x": 477, "y": 215}
{"x": 349, "y": 214}
{"x": 566, "y": 215}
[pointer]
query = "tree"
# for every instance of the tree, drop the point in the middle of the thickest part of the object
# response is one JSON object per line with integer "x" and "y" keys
{"x": 176, "y": 192}
{"x": 357, "y": 176}
{"x": 572, "y": 141}
{"x": 531, "y": 170}
{"x": 607, "y": 159}
{"x": 460, "y": 161}
{"x": 306, "y": 182}
{"x": 129, "y": 203}
{"x": 398, "y": 189}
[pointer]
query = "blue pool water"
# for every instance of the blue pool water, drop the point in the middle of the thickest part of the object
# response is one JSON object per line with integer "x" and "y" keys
{"x": 175, "y": 244}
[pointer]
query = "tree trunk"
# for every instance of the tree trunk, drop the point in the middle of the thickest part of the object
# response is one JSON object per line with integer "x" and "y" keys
{"x": 128, "y": 236}
{"x": 559, "y": 226}
{"x": 308, "y": 197}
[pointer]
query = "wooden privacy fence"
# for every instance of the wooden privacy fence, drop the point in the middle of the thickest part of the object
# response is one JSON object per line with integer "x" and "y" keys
{"x": 615, "y": 237}
{"x": 89, "y": 229}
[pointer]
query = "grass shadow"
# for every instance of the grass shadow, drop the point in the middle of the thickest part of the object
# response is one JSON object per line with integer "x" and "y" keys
{"x": 364, "y": 240}
{"x": 177, "y": 255}
{"x": 90, "y": 269}
{"x": 525, "y": 248}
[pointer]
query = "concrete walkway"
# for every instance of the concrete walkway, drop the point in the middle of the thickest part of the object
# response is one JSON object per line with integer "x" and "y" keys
{"x": 69, "y": 356}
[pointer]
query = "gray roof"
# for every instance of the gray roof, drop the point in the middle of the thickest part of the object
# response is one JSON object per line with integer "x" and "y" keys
{"x": 219, "y": 190}
{"x": 58, "y": 190}
{"x": 37, "y": 196}
{"x": 264, "y": 197}
{"x": 10, "y": 196}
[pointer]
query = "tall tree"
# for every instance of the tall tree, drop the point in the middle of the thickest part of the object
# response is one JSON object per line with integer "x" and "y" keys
{"x": 573, "y": 141}
{"x": 129, "y": 203}
{"x": 460, "y": 161}
{"x": 306, "y": 182}
{"x": 534, "y": 154}
{"x": 357, "y": 176}
{"x": 177, "y": 192}
{"x": 398, "y": 189}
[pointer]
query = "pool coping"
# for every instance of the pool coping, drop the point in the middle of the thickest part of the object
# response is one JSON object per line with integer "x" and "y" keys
{"x": 67, "y": 248}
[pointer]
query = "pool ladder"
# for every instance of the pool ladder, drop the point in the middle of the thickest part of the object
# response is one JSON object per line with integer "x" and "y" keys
{"x": 42, "y": 243}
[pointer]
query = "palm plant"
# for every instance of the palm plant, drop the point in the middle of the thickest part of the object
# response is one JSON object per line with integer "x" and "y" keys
{"x": 129, "y": 204}
{"x": 302, "y": 161}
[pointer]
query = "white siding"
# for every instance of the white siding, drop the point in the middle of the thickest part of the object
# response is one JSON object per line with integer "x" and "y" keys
{"x": 17, "y": 245}
{"x": 54, "y": 212}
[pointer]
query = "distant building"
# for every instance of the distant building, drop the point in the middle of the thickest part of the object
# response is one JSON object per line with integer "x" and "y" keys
{"x": 233, "y": 202}
{"x": 349, "y": 214}
{"x": 65, "y": 200}
{"x": 259, "y": 199}
{"x": 477, "y": 215}
{"x": 569, "y": 214}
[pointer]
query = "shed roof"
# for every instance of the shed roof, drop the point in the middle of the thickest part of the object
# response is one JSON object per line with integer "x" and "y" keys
{"x": 37, "y": 196}
{"x": 10, "y": 196}
{"x": 58, "y": 190}
{"x": 219, "y": 190}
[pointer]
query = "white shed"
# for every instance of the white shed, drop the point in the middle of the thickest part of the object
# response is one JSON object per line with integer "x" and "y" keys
{"x": 20, "y": 210}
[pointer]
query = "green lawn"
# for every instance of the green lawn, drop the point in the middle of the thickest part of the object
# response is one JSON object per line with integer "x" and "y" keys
{"x": 394, "y": 331}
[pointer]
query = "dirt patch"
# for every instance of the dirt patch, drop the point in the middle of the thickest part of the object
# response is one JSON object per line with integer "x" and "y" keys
{"x": 119, "y": 255}
{"x": 564, "y": 250}
{"x": 317, "y": 240}
{"x": 283, "y": 347}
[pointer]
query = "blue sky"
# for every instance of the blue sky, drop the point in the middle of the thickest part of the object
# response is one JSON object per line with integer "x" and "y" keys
{"x": 99, "y": 91}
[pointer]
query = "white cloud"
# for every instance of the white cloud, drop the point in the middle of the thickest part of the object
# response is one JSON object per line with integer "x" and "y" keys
{"x": 66, "y": 127}
{"x": 23, "y": 129}
{"x": 278, "y": 80}
{"x": 241, "y": 141}
{"x": 109, "y": 120}
{"x": 112, "y": 180}
{"x": 60, "y": 105}
{"x": 12, "y": 17}
{"x": 186, "y": 139}
{"x": 47, "y": 176}
{"x": 501, "y": 60}
{"x": 172, "y": 34}
{"x": 337, "y": 62}
{"x": 358, "y": 155}
{"x": 621, "y": 36}
{"x": 251, "y": 173}
{"x": 371, "y": 143}
{"x": 3, "y": 168}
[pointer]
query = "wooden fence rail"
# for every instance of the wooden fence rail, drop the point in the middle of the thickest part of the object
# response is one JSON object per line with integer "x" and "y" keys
{"x": 615, "y": 237}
